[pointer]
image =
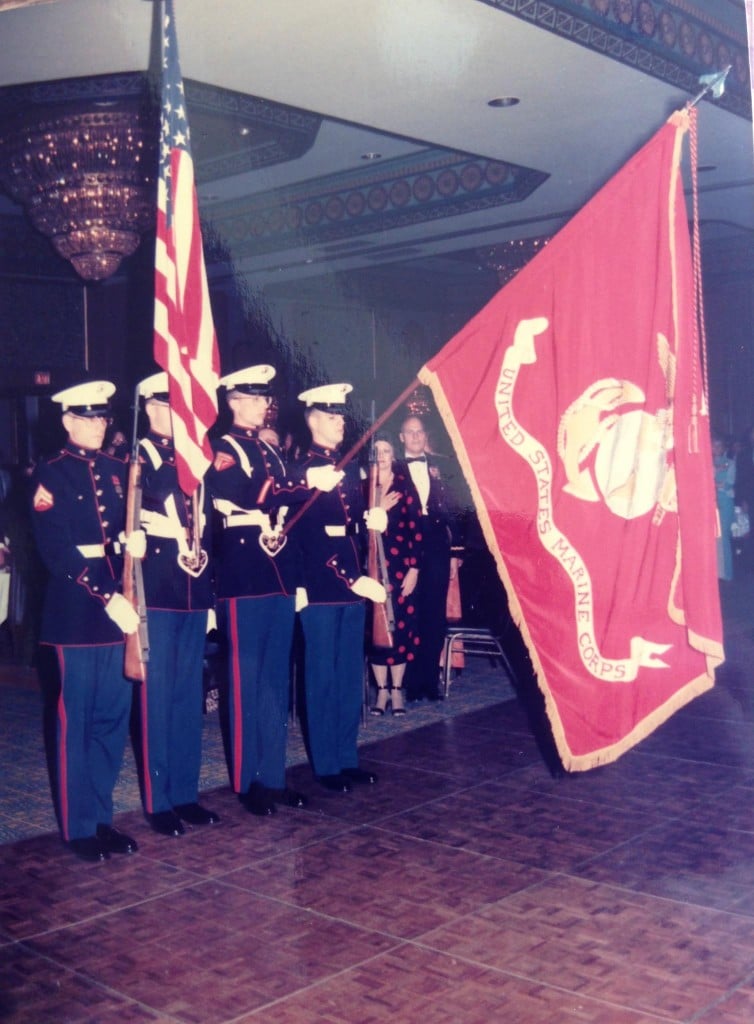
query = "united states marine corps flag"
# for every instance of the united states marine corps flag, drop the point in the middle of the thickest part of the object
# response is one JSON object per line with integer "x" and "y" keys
{"x": 583, "y": 432}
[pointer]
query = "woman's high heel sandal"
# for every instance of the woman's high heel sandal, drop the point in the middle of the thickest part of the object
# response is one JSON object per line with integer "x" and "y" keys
{"x": 396, "y": 700}
{"x": 383, "y": 695}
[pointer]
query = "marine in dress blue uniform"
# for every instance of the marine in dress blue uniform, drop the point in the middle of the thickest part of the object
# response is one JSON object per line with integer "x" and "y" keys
{"x": 257, "y": 578}
{"x": 79, "y": 517}
{"x": 331, "y": 535}
{"x": 179, "y": 593}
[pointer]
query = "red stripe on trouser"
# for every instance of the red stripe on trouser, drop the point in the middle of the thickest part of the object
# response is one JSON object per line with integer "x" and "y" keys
{"x": 62, "y": 750}
{"x": 236, "y": 695}
{"x": 148, "y": 800}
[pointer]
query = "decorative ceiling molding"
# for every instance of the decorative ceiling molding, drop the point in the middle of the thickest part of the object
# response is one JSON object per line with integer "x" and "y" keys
{"x": 232, "y": 133}
{"x": 668, "y": 39}
{"x": 431, "y": 185}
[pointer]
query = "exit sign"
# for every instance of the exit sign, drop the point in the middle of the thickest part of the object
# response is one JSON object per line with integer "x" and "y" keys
{"x": 41, "y": 378}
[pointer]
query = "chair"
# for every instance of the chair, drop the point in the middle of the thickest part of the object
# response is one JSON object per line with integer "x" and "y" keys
{"x": 475, "y": 640}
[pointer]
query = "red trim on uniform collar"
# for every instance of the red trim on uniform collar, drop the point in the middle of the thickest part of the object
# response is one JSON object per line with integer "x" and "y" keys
{"x": 160, "y": 439}
{"x": 81, "y": 453}
{"x": 328, "y": 453}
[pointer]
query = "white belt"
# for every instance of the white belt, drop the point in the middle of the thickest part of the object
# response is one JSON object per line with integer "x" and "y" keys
{"x": 158, "y": 525}
{"x": 253, "y": 518}
{"x": 341, "y": 530}
{"x": 91, "y": 550}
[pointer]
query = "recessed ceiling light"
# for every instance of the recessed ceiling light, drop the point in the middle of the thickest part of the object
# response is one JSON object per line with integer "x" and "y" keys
{"x": 503, "y": 101}
{"x": 244, "y": 131}
{"x": 371, "y": 156}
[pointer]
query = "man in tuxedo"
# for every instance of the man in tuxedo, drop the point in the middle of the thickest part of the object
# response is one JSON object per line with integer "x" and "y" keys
{"x": 441, "y": 549}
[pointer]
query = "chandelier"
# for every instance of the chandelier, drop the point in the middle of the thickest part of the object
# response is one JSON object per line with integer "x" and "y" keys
{"x": 86, "y": 181}
{"x": 507, "y": 258}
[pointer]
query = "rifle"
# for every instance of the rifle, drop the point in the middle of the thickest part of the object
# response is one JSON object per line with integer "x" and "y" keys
{"x": 383, "y": 615}
{"x": 137, "y": 644}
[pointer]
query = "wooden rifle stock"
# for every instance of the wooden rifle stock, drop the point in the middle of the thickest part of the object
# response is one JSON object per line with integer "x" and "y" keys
{"x": 137, "y": 644}
{"x": 383, "y": 617}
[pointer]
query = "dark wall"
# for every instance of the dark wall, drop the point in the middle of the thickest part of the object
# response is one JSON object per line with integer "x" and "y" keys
{"x": 373, "y": 327}
{"x": 728, "y": 269}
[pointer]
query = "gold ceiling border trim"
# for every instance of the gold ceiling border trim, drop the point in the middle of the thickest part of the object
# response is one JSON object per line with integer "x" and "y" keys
{"x": 673, "y": 41}
{"x": 431, "y": 186}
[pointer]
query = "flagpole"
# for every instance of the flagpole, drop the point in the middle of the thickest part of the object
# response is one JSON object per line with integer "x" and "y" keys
{"x": 136, "y": 652}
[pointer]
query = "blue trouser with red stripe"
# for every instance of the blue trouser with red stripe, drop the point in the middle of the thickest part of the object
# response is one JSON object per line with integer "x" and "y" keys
{"x": 93, "y": 712}
{"x": 171, "y": 711}
{"x": 259, "y": 631}
{"x": 334, "y": 680}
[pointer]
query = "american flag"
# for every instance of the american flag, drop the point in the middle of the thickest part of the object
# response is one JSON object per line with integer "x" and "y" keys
{"x": 185, "y": 344}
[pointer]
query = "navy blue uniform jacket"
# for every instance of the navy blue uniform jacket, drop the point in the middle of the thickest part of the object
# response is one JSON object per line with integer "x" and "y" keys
{"x": 79, "y": 501}
{"x": 255, "y": 481}
{"x": 332, "y": 534}
{"x": 167, "y": 586}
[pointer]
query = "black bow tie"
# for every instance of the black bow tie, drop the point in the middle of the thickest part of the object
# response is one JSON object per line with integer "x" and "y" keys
{"x": 416, "y": 458}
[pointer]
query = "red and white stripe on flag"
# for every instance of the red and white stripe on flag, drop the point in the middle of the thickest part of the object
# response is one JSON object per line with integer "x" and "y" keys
{"x": 575, "y": 401}
{"x": 185, "y": 343}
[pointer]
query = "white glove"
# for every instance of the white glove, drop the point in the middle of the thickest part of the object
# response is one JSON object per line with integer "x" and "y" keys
{"x": 302, "y": 598}
{"x": 371, "y": 589}
{"x": 136, "y": 543}
{"x": 376, "y": 519}
{"x": 123, "y": 614}
{"x": 211, "y": 620}
{"x": 323, "y": 478}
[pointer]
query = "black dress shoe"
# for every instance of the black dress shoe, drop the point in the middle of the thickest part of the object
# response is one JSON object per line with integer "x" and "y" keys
{"x": 258, "y": 800}
{"x": 90, "y": 849}
{"x": 167, "y": 823}
{"x": 195, "y": 814}
{"x": 288, "y": 797}
{"x": 113, "y": 841}
{"x": 360, "y": 776}
{"x": 335, "y": 783}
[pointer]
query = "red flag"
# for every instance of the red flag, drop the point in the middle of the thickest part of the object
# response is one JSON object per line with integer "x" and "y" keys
{"x": 184, "y": 335}
{"x": 575, "y": 402}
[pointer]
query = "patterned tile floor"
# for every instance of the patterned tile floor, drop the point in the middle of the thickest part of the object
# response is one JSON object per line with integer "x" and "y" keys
{"x": 469, "y": 886}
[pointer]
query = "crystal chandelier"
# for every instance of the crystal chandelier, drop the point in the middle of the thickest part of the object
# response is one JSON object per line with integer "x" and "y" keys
{"x": 86, "y": 181}
{"x": 507, "y": 258}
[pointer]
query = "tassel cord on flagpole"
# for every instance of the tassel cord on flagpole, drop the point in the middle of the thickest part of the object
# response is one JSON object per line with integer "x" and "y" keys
{"x": 714, "y": 83}
{"x": 700, "y": 334}
{"x": 355, "y": 449}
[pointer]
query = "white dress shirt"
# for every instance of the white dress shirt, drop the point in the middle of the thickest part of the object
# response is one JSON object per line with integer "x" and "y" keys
{"x": 420, "y": 475}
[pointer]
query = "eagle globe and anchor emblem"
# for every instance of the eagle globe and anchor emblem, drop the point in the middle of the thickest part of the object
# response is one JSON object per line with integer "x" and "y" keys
{"x": 614, "y": 451}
